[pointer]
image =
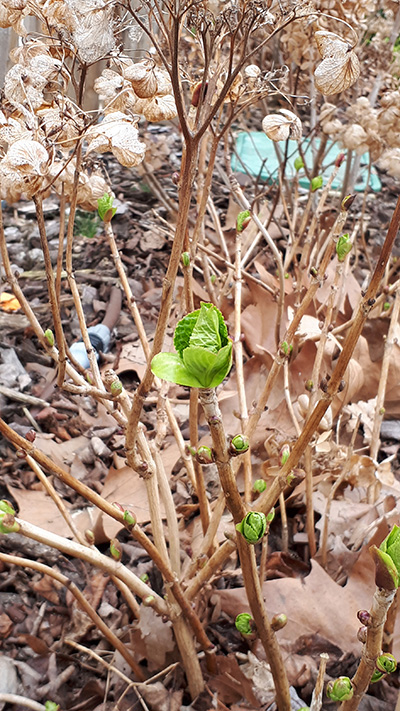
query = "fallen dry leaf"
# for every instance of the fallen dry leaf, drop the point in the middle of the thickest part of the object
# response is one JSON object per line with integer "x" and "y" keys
{"x": 8, "y": 302}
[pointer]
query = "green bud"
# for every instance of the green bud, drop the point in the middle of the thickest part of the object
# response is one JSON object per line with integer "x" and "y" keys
{"x": 129, "y": 520}
{"x": 149, "y": 600}
{"x": 105, "y": 208}
{"x": 278, "y": 622}
{"x": 204, "y": 455}
{"x": 244, "y": 623}
{"x": 144, "y": 578}
{"x": 386, "y": 663}
{"x": 305, "y": 708}
{"x": 115, "y": 549}
{"x": 309, "y": 385}
{"x": 340, "y": 689}
{"x": 8, "y": 524}
{"x": 259, "y": 485}
{"x": 343, "y": 247}
{"x": 284, "y": 455}
{"x": 242, "y": 220}
{"x": 49, "y": 335}
{"x": 376, "y": 676}
{"x": 298, "y": 163}
{"x": 116, "y": 388}
{"x": 270, "y": 516}
{"x": 253, "y": 527}
{"x": 387, "y": 561}
{"x": 51, "y": 706}
{"x": 213, "y": 278}
{"x": 239, "y": 444}
{"x": 185, "y": 259}
{"x": 386, "y": 306}
{"x": 382, "y": 410}
{"x": 285, "y": 348}
{"x": 290, "y": 479}
{"x": 89, "y": 535}
{"x": 347, "y": 202}
{"x": 5, "y": 507}
{"x": 316, "y": 183}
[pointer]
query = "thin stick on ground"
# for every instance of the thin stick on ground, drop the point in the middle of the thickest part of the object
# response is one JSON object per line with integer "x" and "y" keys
{"x": 82, "y": 602}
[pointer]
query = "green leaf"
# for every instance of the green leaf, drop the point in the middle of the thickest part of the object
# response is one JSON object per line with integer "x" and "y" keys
{"x": 199, "y": 362}
{"x": 184, "y": 330}
{"x": 169, "y": 366}
{"x": 206, "y": 331}
{"x": 105, "y": 207}
{"x": 208, "y": 368}
{"x": 5, "y": 507}
{"x": 386, "y": 573}
{"x": 298, "y": 163}
{"x": 51, "y": 706}
{"x": 316, "y": 183}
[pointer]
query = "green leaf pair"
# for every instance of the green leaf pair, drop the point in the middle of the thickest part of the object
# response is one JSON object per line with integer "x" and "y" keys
{"x": 7, "y": 521}
{"x": 387, "y": 561}
{"x": 204, "y": 351}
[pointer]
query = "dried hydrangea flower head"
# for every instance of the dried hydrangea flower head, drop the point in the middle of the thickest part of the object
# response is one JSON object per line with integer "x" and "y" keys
{"x": 22, "y": 169}
{"x": 340, "y": 66}
{"x": 280, "y": 127}
{"x": 117, "y": 133}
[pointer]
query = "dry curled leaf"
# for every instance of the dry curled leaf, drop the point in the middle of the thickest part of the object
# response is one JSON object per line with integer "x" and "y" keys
{"x": 115, "y": 91}
{"x": 143, "y": 79}
{"x": 117, "y": 133}
{"x": 12, "y": 13}
{"x": 92, "y": 31}
{"x": 280, "y": 128}
{"x": 340, "y": 66}
{"x": 161, "y": 108}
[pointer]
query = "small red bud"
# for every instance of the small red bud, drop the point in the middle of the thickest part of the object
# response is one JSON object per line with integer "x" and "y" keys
{"x": 30, "y": 436}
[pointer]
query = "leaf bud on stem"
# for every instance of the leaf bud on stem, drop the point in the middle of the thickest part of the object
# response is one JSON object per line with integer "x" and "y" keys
{"x": 239, "y": 444}
{"x": 115, "y": 549}
{"x": 278, "y": 622}
{"x": 253, "y": 527}
{"x": 259, "y": 486}
{"x": 244, "y": 623}
{"x": 340, "y": 689}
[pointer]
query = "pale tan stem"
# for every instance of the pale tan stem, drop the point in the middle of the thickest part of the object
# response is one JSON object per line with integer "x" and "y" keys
{"x": 83, "y": 603}
{"x": 380, "y": 398}
{"x": 51, "y": 288}
{"x": 16, "y": 699}
{"x": 332, "y": 492}
{"x": 381, "y": 603}
{"x": 71, "y": 278}
{"x": 316, "y": 701}
{"x": 213, "y": 564}
{"x": 207, "y": 542}
{"x": 56, "y": 498}
{"x": 153, "y": 496}
{"x": 93, "y": 556}
{"x": 238, "y": 351}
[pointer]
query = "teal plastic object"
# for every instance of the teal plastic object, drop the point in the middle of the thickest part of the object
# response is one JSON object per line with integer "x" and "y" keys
{"x": 255, "y": 154}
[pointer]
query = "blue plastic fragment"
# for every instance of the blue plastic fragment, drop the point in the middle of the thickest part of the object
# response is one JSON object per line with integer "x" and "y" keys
{"x": 256, "y": 155}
